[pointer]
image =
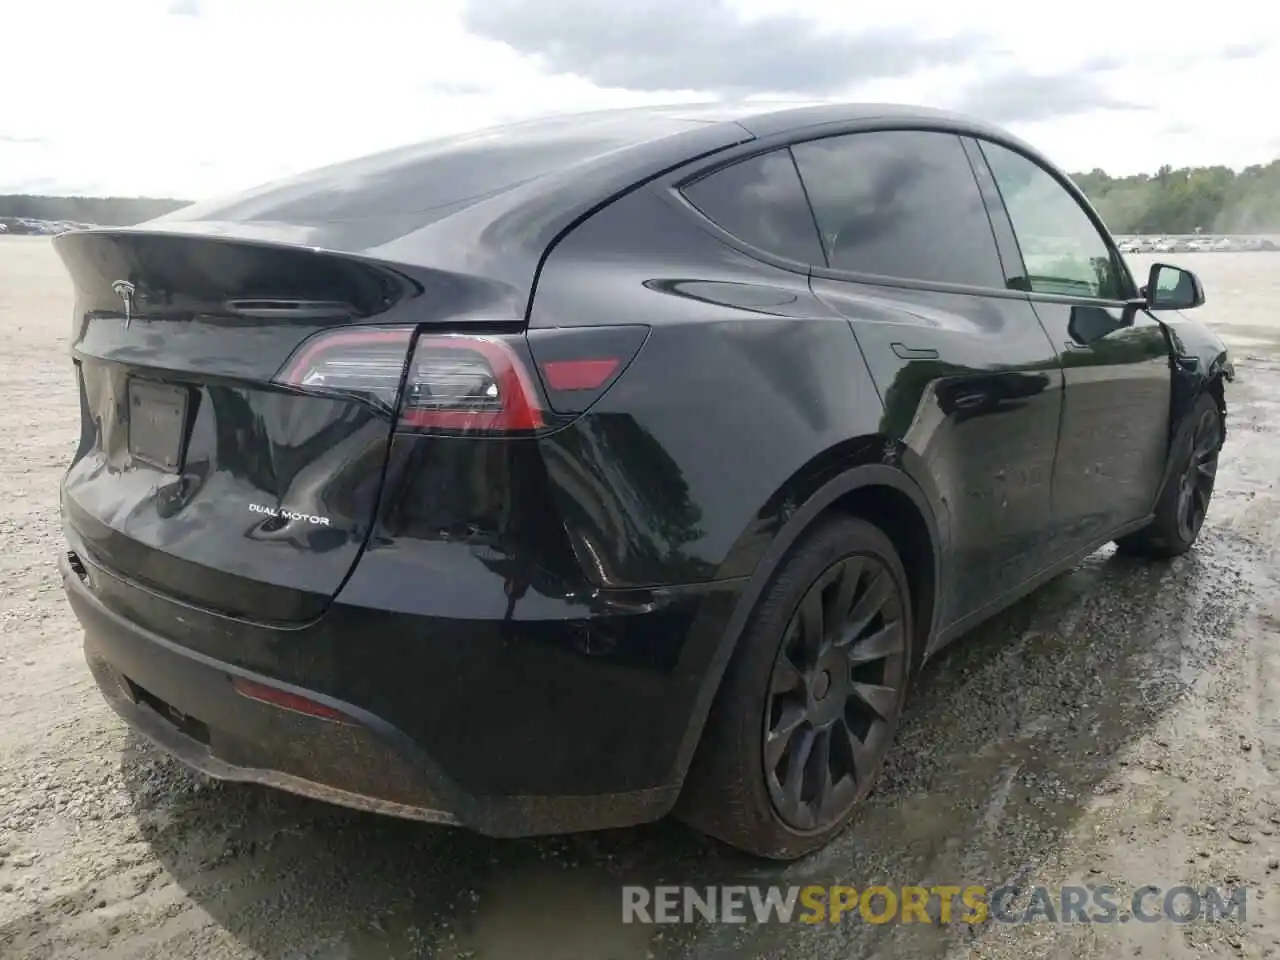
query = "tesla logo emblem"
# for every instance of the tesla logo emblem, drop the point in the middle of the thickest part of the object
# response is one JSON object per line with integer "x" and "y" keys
{"x": 125, "y": 290}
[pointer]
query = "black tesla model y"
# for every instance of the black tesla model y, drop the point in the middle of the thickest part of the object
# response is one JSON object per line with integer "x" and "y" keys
{"x": 563, "y": 475}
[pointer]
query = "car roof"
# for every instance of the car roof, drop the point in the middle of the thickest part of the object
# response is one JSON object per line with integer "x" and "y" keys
{"x": 768, "y": 118}
{"x": 370, "y": 200}
{"x": 493, "y": 201}
{"x": 775, "y": 116}
{"x": 428, "y": 181}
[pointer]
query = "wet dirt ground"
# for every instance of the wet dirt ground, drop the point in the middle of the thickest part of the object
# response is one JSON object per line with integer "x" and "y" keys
{"x": 1121, "y": 726}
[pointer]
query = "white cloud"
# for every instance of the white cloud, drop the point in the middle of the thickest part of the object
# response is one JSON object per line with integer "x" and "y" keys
{"x": 193, "y": 98}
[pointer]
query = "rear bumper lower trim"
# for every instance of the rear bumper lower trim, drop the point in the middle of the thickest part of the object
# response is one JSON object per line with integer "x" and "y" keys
{"x": 164, "y": 735}
{"x": 366, "y": 765}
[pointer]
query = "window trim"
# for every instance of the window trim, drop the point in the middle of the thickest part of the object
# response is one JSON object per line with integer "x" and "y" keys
{"x": 906, "y": 283}
{"x": 675, "y": 193}
{"x": 1001, "y": 210}
{"x": 1001, "y": 226}
{"x": 668, "y": 188}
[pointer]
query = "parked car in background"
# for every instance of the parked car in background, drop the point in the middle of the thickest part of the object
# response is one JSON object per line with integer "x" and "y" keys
{"x": 603, "y": 466}
{"x": 27, "y": 226}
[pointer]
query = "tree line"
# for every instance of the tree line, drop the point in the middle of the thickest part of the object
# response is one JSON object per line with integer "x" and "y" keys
{"x": 1187, "y": 199}
{"x": 1181, "y": 200}
{"x": 106, "y": 211}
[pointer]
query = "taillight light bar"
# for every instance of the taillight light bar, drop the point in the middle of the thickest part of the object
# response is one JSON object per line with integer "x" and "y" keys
{"x": 469, "y": 384}
{"x": 367, "y": 362}
{"x": 465, "y": 384}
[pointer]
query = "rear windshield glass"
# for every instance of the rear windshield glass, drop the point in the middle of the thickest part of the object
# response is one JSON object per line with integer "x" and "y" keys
{"x": 427, "y": 182}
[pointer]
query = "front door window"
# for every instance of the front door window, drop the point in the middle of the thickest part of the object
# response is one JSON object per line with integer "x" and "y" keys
{"x": 1063, "y": 251}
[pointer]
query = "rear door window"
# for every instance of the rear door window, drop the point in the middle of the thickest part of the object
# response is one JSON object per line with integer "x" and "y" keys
{"x": 761, "y": 202}
{"x": 900, "y": 203}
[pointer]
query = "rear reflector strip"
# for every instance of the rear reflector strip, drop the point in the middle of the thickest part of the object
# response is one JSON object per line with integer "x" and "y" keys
{"x": 293, "y": 702}
{"x": 579, "y": 374}
{"x": 579, "y": 364}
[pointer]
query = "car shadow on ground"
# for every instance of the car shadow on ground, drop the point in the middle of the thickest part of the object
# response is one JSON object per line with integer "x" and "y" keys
{"x": 1010, "y": 733}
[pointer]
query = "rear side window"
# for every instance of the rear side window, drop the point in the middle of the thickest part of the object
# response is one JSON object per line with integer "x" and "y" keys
{"x": 761, "y": 202}
{"x": 900, "y": 203}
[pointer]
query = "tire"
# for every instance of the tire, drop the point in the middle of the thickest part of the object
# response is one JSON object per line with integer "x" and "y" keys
{"x": 736, "y": 790}
{"x": 1183, "y": 504}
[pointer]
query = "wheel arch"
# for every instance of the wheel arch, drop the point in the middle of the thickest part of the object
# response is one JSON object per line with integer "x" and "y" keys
{"x": 1213, "y": 368}
{"x": 1195, "y": 384}
{"x": 1217, "y": 387}
{"x": 880, "y": 493}
{"x": 1200, "y": 362}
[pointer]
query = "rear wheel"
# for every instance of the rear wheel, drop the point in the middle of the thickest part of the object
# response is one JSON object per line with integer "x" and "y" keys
{"x": 809, "y": 706}
{"x": 1185, "y": 501}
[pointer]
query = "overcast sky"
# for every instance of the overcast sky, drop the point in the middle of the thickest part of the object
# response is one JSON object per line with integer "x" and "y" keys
{"x": 192, "y": 98}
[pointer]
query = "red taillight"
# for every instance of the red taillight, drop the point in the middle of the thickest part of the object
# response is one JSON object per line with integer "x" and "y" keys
{"x": 367, "y": 362}
{"x": 452, "y": 383}
{"x": 457, "y": 383}
{"x": 469, "y": 384}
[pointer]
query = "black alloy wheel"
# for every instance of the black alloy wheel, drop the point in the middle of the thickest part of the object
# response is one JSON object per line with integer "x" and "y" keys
{"x": 809, "y": 704}
{"x": 1183, "y": 504}
{"x": 835, "y": 693}
{"x": 1196, "y": 485}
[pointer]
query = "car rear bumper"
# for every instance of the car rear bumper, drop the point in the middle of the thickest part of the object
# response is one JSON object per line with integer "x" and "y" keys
{"x": 194, "y": 707}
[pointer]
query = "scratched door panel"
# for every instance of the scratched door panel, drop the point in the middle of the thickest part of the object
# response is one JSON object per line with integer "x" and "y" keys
{"x": 1115, "y": 421}
{"x": 972, "y": 390}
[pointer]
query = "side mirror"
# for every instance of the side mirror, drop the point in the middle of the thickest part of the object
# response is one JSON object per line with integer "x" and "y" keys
{"x": 1173, "y": 288}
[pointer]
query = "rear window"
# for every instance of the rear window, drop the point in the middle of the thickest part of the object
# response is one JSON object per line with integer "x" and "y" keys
{"x": 761, "y": 202}
{"x": 423, "y": 183}
{"x": 900, "y": 203}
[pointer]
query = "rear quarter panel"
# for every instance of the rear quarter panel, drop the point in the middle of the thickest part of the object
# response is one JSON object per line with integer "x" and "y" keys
{"x": 684, "y": 470}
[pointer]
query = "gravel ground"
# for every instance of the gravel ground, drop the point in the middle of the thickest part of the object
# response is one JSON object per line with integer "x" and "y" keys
{"x": 1121, "y": 727}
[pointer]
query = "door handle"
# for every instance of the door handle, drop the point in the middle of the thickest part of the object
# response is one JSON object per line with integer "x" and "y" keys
{"x": 913, "y": 353}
